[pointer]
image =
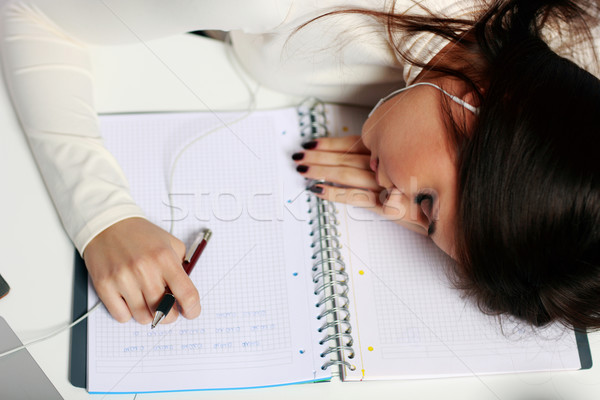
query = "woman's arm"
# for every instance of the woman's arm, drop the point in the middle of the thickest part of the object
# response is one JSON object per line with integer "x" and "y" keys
{"x": 49, "y": 77}
{"x": 47, "y": 69}
{"x": 48, "y": 72}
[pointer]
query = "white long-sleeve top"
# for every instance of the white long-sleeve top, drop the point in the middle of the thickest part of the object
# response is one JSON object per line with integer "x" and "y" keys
{"x": 343, "y": 58}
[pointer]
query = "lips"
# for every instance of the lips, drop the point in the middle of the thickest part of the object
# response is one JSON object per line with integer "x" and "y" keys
{"x": 373, "y": 164}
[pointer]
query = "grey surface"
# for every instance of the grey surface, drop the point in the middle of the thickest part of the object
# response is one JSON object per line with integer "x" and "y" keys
{"x": 20, "y": 376}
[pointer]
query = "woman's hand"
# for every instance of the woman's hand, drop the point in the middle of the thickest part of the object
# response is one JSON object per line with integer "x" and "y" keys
{"x": 131, "y": 263}
{"x": 345, "y": 162}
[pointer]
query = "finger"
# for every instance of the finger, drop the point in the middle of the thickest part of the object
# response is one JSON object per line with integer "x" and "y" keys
{"x": 179, "y": 247}
{"x": 344, "y": 144}
{"x": 393, "y": 208}
{"x": 309, "y": 157}
{"x": 171, "y": 316}
{"x": 358, "y": 178}
{"x": 137, "y": 305}
{"x": 154, "y": 291}
{"x": 115, "y": 305}
{"x": 184, "y": 291}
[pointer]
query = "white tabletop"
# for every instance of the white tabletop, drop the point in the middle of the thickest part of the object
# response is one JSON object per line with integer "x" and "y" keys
{"x": 179, "y": 73}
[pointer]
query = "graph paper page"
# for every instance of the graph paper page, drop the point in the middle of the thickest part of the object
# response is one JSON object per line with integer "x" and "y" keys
{"x": 258, "y": 322}
{"x": 410, "y": 323}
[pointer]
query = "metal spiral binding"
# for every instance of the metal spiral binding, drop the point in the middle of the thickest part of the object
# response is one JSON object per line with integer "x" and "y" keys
{"x": 329, "y": 275}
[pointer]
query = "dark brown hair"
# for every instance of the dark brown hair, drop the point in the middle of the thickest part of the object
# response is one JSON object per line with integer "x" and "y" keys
{"x": 528, "y": 223}
{"x": 528, "y": 232}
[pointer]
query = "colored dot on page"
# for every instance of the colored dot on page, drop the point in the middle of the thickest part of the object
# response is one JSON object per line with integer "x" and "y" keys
{"x": 361, "y": 272}
{"x": 370, "y": 348}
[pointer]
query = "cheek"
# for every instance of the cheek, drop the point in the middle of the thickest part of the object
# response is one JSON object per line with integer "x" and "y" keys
{"x": 410, "y": 148}
{"x": 424, "y": 158}
{"x": 406, "y": 166}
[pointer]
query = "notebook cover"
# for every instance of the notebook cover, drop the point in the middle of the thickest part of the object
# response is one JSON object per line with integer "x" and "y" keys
{"x": 583, "y": 345}
{"x": 78, "y": 359}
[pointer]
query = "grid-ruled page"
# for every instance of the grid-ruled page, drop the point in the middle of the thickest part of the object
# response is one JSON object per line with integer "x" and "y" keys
{"x": 409, "y": 322}
{"x": 258, "y": 325}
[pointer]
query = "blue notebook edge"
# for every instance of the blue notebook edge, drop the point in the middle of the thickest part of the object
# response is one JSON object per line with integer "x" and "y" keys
{"x": 221, "y": 389}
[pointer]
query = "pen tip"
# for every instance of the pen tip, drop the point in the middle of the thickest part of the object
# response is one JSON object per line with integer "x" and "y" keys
{"x": 158, "y": 317}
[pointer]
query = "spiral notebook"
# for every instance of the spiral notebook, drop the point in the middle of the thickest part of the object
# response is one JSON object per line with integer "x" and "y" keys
{"x": 294, "y": 289}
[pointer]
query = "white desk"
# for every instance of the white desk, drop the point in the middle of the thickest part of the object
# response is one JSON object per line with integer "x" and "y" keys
{"x": 37, "y": 256}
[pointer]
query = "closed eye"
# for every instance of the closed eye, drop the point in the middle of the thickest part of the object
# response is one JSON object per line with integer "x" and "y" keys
{"x": 426, "y": 202}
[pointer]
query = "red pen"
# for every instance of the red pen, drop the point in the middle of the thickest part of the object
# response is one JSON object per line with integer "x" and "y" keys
{"x": 189, "y": 262}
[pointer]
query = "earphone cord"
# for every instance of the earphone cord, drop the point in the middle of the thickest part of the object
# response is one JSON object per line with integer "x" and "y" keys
{"x": 251, "y": 107}
{"x": 52, "y": 334}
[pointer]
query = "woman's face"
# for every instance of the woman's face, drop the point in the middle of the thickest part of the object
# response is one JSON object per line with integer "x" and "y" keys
{"x": 413, "y": 159}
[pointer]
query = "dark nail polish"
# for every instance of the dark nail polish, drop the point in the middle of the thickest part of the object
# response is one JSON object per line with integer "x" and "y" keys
{"x": 297, "y": 156}
{"x": 302, "y": 168}
{"x": 310, "y": 145}
{"x": 316, "y": 189}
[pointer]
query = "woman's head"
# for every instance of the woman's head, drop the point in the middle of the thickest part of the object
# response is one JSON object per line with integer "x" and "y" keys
{"x": 413, "y": 157}
{"x": 520, "y": 210}
{"x": 518, "y": 187}
{"x": 528, "y": 220}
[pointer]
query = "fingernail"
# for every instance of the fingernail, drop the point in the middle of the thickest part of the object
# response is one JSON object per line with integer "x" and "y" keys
{"x": 316, "y": 189}
{"x": 297, "y": 156}
{"x": 302, "y": 168}
{"x": 310, "y": 145}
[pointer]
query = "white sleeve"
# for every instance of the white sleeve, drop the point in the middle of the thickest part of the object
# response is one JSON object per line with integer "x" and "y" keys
{"x": 47, "y": 69}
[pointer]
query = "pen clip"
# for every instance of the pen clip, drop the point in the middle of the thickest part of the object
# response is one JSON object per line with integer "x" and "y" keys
{"x": 192, "y": 249}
